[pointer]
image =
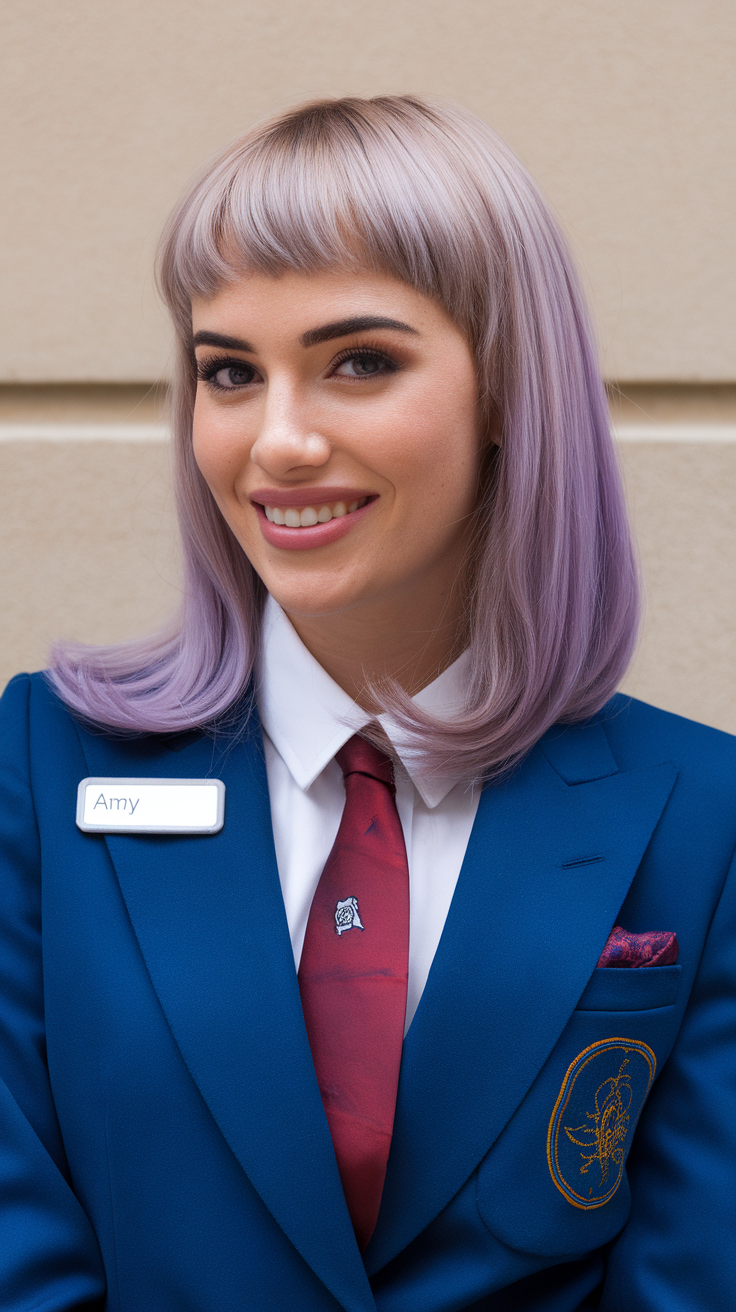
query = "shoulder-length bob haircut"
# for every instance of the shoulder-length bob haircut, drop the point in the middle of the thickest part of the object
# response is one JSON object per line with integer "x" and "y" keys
{"x": 429, "y": 195}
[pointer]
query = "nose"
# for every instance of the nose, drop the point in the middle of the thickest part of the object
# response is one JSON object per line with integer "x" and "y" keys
{"x": 288, "y": 439}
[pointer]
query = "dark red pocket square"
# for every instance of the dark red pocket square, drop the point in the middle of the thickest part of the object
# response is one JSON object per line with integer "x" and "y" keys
{"x": 658, "y": 947}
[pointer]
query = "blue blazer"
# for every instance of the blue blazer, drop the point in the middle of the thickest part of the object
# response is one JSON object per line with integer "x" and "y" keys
{"x": 163, "y": 1146}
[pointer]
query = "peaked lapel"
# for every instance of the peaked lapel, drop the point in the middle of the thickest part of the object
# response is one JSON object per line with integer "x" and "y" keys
{"x": 547, "y": 868}
{"x": 210, "y": 921}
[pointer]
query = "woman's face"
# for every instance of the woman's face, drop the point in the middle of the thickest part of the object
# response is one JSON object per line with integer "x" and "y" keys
{"x": 336, "y": 424}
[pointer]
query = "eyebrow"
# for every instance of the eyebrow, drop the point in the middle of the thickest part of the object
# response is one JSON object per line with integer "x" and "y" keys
{"x": 220, "y": 339}
{"x": 356, "y": 324}
{"x": 326, "y": 333}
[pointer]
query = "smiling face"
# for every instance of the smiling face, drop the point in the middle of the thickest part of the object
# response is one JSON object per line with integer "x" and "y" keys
{"x": 336, "y": 424}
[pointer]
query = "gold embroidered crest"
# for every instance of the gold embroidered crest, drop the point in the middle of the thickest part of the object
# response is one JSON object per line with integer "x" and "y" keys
{"x": 597, "y": 1108}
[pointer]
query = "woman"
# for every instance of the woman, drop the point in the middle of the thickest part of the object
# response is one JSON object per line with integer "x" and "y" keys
{"x": 436, "y": 829}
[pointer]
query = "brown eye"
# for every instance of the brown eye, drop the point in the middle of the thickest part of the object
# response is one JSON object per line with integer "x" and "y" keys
{"x": 364, "y": 364}
{"x": 234, "y": 375}
{"x": 226, "y": 375}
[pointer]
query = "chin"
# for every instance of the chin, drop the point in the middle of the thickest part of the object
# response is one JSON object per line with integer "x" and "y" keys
{"x": 308, "y": 608}
{"x": 315, "y": 602}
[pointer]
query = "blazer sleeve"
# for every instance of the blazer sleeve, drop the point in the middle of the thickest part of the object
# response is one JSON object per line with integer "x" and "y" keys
{"x": 49, "y": 1257}
{"x": 678, "y": 1251}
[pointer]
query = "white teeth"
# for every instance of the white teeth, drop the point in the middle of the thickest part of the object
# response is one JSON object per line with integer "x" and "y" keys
{"x": 310, "y": 516}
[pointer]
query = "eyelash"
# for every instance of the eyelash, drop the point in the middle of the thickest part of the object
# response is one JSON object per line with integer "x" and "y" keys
{"x": 359, "y": 352}
{"x": 208, "y": 369}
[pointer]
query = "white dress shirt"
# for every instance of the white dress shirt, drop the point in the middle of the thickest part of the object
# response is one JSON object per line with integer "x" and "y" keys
{"x": 307, "y": 718}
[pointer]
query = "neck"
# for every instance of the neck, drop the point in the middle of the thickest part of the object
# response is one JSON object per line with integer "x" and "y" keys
{"x": 365, "y": 647}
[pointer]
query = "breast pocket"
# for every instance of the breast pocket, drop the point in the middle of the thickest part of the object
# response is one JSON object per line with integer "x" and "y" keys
{"x": 554, "y": 1183}
{"x": 614, "y": 989}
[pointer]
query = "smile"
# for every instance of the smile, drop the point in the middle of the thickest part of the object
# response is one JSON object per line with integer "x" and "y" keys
{"x": 291, "y": 522}
{"x": 293, "y": 517}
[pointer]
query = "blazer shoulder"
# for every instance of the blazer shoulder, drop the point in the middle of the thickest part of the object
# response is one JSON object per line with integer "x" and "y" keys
{"x": 38, "y": 733}
{"x": 30, "y": 699}
{"x": 640, "y": 734}
{"x": 24, "y": 686}
{"x": 14, "y": 701}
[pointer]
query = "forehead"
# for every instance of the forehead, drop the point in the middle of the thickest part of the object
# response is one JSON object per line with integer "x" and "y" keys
{"x": 295, "y": 303}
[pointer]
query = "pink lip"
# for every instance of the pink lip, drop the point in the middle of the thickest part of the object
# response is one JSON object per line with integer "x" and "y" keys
{"x": 320, "y": 535}
{"x": 299, "y": 497}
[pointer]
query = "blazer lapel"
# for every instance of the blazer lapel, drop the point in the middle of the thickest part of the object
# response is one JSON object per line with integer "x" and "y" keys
{"x": 549, "y": 862}
{"x": 210, "y": 921}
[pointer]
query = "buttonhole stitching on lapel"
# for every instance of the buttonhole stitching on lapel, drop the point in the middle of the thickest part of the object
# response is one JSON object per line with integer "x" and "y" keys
{"x": 581, "y": 861}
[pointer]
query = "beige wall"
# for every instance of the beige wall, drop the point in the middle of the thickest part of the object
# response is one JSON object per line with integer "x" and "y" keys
{"x": 682, "y": 497}
{"x": 623, "y": 109}
{"x": 624, "y": 112}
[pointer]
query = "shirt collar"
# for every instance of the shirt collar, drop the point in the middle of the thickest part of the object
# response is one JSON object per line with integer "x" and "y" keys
{"x": 308, "y": 717}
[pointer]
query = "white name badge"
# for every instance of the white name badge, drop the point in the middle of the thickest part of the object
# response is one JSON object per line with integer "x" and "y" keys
{"x": 151, "y": 806}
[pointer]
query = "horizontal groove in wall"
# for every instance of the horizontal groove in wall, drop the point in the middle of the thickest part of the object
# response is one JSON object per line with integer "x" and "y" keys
{"x": 675, "y": 432}
{"x": 145, "y": 403}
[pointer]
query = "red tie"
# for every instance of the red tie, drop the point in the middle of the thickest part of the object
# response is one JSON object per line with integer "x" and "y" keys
{"x": 353, "y": 976}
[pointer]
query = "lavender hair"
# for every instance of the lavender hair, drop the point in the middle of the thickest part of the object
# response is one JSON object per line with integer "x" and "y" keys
{"x": 433, "y": 197}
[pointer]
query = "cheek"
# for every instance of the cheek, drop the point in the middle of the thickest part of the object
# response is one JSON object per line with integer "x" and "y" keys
{"x": 435, "y": 453}
{"x": 218, "y": 454}
{"x": 204, "y": 447}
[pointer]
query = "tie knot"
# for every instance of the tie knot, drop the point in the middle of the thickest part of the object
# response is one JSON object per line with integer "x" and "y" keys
{"x": 361, "y": 757}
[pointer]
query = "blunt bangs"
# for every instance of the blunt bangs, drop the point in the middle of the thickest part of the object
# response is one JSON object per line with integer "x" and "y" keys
{"x": 431, "y": 196}
{"x": 334, "y": 191}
